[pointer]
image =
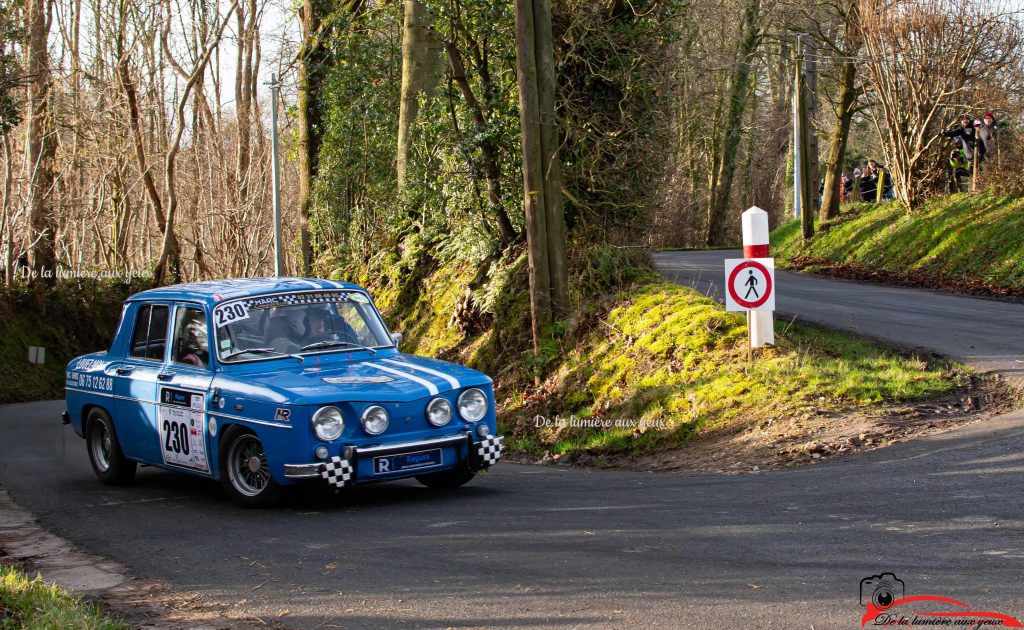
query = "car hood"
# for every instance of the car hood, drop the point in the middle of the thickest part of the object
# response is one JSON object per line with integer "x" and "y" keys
{"x": 391, "y": 377}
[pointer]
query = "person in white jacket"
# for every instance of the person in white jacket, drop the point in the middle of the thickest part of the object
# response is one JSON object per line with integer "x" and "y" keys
{"x": 986, "y": 131}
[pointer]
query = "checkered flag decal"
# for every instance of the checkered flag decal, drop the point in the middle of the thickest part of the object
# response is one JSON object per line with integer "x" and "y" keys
{"x": 489, "y": 449}
{"x": 337, "y": 472}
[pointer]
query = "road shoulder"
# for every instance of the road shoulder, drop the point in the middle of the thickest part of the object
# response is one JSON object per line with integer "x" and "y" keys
{"x": 137, "y": 602}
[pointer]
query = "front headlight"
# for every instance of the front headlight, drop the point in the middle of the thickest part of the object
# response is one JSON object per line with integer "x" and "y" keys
{"x": 375, "y": 420}
{"x": 328, "y": 423}
{"x": 472, "y": 405}
{"x": 439, "y": 412}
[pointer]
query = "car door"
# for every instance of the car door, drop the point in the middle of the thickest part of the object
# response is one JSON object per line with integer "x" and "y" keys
{"x": 136, "y": 378}
{"x": 184, "y": 391}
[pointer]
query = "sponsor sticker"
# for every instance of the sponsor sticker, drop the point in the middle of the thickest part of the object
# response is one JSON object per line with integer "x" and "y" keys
{"x": 180, "y": 419}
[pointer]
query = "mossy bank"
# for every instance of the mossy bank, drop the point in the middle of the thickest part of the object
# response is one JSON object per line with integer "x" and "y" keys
{"x": 72, "y": 318}
{"x": 968, "y": 243}
{"x": 642, "y": 365}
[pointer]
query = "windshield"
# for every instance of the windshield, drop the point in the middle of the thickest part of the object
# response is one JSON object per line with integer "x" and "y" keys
{"x": 296, "y": 324}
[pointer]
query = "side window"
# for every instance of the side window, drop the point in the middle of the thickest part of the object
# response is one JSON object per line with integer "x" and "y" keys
{"x": 150, "y": 334}
{"x": 191, "y": 342}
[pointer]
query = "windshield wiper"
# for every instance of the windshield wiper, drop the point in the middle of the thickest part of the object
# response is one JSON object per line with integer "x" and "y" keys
{"x": 261, "y": 351}
{"x": 336, "y": 342}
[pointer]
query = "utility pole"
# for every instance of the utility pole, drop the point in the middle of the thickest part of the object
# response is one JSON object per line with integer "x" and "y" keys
{"x": 798, "y": 186}
{"x": 811, "y": 98}
{"x": 802, "y": 144}
{"x": 275, "y": 87}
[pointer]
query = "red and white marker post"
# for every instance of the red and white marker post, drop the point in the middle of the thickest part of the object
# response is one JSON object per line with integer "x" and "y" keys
{"x": 761, "y": 322}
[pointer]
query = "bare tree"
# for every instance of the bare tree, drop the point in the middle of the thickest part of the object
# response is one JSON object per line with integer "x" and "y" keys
{"x": 923, "y": 59}
{"x": 723, "y": 166}
{"x": 845, "y": 48}
{"x": 169, "y": 244}
{"x": 40, "y": 141}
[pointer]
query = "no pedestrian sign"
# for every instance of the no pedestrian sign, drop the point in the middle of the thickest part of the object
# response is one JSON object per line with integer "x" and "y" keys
{"x": 750, "y": 284}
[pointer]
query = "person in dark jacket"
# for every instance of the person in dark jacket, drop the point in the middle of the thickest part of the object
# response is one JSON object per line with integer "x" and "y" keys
{"x": 966, "y": 137}
{"x": 869, "y": 182}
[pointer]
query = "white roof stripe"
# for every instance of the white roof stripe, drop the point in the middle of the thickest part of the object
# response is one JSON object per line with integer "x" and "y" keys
{"x": 454, "y": 382}
{"x": 422, "y": 381}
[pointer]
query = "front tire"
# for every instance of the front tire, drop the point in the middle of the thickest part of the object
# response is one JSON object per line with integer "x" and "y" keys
{"x": 244, "y": 472}
{"x": 105, "y": 455}
{"x": 447, "y": 479}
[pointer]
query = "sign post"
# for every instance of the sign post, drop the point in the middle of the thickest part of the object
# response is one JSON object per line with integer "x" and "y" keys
{"x": 750, "y": 287}
{"x": 755, "y": 245}
{"x": 750, "y": 281}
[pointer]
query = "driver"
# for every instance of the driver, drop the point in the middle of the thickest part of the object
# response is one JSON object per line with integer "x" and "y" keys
{"x": 315, "y": 325}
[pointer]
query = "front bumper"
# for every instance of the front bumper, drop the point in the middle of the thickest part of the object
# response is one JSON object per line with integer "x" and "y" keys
{"x": 341, "y": 470}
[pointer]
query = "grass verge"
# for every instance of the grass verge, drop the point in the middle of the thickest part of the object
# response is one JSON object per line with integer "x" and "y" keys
{"x": 642, "y": 365}
{"x": 33, "y": 604}
{"x": 668, "y": 365}
{"x": 961, "y": 242}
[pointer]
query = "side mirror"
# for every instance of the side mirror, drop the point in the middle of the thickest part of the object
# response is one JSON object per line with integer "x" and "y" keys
{"x": 396, "y": 338}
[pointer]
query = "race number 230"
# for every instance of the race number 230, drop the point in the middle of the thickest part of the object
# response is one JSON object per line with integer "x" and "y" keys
{"x": 228, "y": 313}
{"x": 176, "y": 437}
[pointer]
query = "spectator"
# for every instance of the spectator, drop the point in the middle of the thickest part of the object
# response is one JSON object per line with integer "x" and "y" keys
{"x": 964, "y": 135}
{"x": 961, "y": 168}
{"x": 986, "y": 133}
{"x": 869, "y": 182}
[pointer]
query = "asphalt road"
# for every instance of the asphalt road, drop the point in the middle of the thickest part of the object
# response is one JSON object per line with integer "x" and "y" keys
{"x": 541, "y": 547}
{"x": 985, "y": 334}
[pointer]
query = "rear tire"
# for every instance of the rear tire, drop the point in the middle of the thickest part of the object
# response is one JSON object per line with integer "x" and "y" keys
{"x": 244, "y": 472}
{"x": 447, "y": 479}
{"x": 105, "y": 455}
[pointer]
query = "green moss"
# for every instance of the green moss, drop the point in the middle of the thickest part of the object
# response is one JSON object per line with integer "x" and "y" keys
{"x": 669, "y": 363}
{"x": 653, "y": 364}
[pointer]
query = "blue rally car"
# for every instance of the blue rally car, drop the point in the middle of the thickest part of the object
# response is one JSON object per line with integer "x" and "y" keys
{"x": 265, "y": 383}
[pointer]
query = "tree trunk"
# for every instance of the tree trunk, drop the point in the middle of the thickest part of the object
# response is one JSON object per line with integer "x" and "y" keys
{"x": 836, "y": 153}
{"x": 533, "y": 175}
{"x": 134, "y": 118}
{"x": 313, "y": 63}
{"x": 168, "y": 263}
{"x": 420, "y": 64}
{"x": 39, "y": 142}
{"x": 558, "y": 266}
{"x": 244, "y": 96}
{"x": 739, "y": 90}
{"x": 545, "y": 222}
{"x": 6, "y": 228}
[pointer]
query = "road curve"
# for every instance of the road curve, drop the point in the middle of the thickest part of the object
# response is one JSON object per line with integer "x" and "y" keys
{"x": 985, "y": 334}
{"x": 545, "y": 547}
